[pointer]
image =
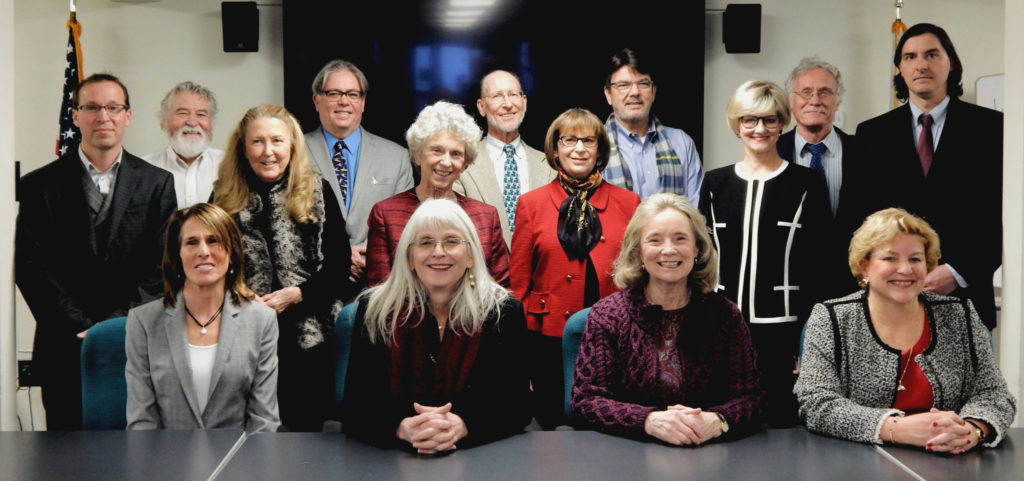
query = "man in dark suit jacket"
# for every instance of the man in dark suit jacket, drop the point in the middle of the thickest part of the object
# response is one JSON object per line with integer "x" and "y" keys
{"x": 946, "y": 168}
{"x": 815, "y": 91}
{"x": 89, "y": 240}
{"x": 374, "y": 168}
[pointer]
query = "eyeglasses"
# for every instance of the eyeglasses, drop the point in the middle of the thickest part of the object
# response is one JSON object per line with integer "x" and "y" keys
{"x": 770, "y": 121}
{"x": 112, "y": 109}
{"x": 448, "y": 244}
{"x": 824, "y": 93}
{"x": 498, "y": 97}
{"x": 642, "y": 85}
{"x": 571, "y": 141}
{"x": 335, "y": 95}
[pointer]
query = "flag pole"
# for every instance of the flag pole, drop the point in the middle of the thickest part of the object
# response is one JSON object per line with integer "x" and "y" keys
{"x": 898, "y": 29}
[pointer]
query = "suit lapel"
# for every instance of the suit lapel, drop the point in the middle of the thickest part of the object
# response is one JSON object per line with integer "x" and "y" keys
{"x": 540, "y": 172}
{"x": 316, "y": 146}
{"x": 74, "y": 194}
{"x": 225, "y": 342}
{"x": 177, "y": 341}
{"x": 365, "y": 172}
{"x": 125, "y": 186}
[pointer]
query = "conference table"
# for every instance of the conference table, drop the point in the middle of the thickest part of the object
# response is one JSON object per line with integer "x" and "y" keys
{"x": 114, "y": 455}
{"x": 777, "y": 454}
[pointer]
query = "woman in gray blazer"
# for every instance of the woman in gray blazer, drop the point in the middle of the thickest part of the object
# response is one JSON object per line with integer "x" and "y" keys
{"x": 204, "y": 356}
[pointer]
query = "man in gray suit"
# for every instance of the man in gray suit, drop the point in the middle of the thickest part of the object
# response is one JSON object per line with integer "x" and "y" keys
{"x": 510, "y": 168}
{"x": 362, "y": 168}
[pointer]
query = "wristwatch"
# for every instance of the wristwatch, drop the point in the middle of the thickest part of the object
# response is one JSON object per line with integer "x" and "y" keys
{"x": 725, "y": 424}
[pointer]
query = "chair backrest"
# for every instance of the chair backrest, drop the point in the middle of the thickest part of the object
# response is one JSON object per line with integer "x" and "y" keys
{"x": 570, "y": 350}
{"x": 342, "y": 344}
{"x": 104, "y": 390}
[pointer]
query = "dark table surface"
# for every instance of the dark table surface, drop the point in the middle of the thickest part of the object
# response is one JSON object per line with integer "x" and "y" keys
{"x": 1000, "y": 463}
{"x": 114, "y": 455}
{"x": 564, "y": 455}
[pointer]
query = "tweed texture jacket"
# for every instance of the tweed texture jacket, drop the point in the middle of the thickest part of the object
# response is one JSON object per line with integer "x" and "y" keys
{"x": 848, "y": 377}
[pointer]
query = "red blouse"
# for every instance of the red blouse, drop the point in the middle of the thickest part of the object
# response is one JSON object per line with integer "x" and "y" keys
{"x": 918, "y": 395}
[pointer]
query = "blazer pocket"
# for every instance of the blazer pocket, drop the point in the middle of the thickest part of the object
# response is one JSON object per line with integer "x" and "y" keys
{"x": 537, "y": 303}
{"x": 382, "y": 181}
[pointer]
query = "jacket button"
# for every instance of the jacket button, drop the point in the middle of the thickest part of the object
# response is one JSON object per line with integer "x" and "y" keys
{"x": 602, "y": 237}
{"x": 567, "y": 314}
{"x": 568, "y": 277}
{"x": 542, "y": 302}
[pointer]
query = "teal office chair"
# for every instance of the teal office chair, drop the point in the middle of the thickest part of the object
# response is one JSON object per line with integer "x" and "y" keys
{"x": 570, "y": 350}
{"x": 342, "y": 344}
{"x": 104, "y": 390}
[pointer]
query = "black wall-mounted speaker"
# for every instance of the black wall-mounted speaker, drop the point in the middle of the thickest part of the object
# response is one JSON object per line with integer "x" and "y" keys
{"x": 241, "y": 24}
{"x": 741, "y": 28}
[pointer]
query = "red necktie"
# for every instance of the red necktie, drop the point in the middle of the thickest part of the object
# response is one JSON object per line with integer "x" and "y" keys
{"x": 925, "y": 146}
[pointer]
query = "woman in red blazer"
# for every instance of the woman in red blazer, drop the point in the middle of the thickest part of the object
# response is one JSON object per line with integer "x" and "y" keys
{"x": 443, "y": 142}
{"x": 567, "y": 235}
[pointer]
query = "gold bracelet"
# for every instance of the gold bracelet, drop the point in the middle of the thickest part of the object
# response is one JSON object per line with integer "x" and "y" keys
{"x": 977, "y": 430}
{"x": 895, "y": 420}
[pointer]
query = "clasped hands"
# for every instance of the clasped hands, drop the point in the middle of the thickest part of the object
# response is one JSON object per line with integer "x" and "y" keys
{"x": 937, "y": 431}
{"x": 681, "y": 425}
{"x": 432, "y": 429}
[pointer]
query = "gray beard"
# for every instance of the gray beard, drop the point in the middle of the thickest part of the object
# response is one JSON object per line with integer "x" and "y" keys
{"x": 188, "y": 149}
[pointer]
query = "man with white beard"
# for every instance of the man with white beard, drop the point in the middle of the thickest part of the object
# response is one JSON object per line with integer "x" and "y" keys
{"x": 186, "y": 114}
{"x": 511, "y": 168}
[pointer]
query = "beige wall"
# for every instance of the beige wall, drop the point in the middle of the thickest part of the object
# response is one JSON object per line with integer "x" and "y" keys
{"x": 852, "y": 34}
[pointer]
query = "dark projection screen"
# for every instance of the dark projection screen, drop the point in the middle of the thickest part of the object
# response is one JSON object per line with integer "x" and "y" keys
{"x": 413, "y": 56}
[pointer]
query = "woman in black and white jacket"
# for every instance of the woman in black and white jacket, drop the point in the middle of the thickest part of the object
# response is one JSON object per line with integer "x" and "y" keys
{"x": 897, "y": 364}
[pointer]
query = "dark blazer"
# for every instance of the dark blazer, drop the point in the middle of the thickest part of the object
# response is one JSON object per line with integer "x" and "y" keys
{"x": 494, "y": 402}
{"x": 243, "y": 386}
{"x": 67, "y": 284}
{"x": 961, "y": 197}
{"x": 549, "y": 284}
{"x": 839, "y": 281}
{"x": 389, "y": 216}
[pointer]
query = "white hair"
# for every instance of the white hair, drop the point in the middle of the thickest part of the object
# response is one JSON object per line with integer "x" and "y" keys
{"x": 402, "y": 295}
{"x": 444, "y": 117}
{"x": 811, "y": 63}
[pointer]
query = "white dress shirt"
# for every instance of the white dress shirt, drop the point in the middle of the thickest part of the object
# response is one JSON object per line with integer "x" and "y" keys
{"x": 193, "y": 183}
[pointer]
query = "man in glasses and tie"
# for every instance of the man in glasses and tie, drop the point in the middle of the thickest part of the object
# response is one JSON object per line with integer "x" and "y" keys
{"x": 940, "y": 158}
{"x": 89, "y": 239}
{"x": 646, "y": 156}
{"x": 510, "y": 168}
{"x": 362, "y": 168}
{"x": 815, "y": 91}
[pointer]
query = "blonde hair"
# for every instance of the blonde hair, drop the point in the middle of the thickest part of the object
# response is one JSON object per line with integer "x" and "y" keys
{"x": 883, "y": 226}
{"x": 757, "y": 97}
{"x": 628, "y": 267}
{"x": 231, "y": 191}
{"x": 402, "y": 294}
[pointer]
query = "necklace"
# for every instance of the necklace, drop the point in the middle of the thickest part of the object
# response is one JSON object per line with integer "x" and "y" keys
{"x": 202, "y": 327}
{"x": 910, "y": 357}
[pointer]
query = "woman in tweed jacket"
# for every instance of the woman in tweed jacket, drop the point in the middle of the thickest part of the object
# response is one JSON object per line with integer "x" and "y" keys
{"x": 896, "y": 364}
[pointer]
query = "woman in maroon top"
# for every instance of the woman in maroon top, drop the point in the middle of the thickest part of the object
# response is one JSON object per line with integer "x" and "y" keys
{"x": 437, "y": 348}
{"x": 667, "y": 357}
{"x": 443, "y": 141}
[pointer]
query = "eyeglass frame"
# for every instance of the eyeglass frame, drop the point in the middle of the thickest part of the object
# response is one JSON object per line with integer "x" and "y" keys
{"x": 422, "y": 244}
{"x": 761, "y": 120}
{"x": 112, "y": 109}
{"x": 498, "y": 97}
{"x": 354, "y": 95}
{"x": 566, "y": 144}
{"x": 642, "y": 85}
{"x": 823, "y": 93}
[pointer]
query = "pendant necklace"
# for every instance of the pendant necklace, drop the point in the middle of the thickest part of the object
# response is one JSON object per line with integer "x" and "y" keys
{"x": 910, "y": 357}
{"x": 202, "y": 327}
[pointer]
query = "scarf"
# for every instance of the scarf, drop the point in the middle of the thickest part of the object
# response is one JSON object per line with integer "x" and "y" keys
{"x": 288, "y": 256}
{"x": 579, "y": 227}
{"x": 671, "y": 175}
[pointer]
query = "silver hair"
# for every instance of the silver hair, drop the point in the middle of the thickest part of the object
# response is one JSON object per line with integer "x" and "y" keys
{"x": 447, "y": 117}
{"x": 186, "y": 86}
{"x": 811, "y": 63}
{"x": 402, "y": 294}
{"x": 320, "y": 81}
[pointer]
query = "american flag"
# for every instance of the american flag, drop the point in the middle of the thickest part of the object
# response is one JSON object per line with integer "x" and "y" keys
{"x": 70, "y": 136}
